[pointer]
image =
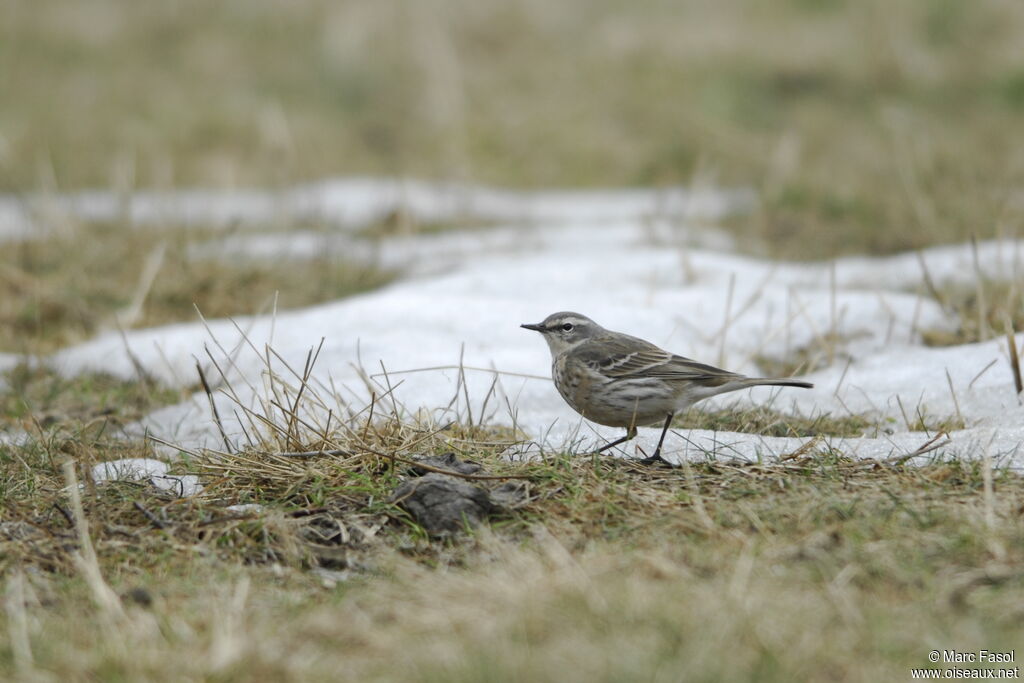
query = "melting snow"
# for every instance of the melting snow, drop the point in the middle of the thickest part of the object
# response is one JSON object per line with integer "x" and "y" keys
{"x": 351, "y": 203}
{"x": 635, "y": 261}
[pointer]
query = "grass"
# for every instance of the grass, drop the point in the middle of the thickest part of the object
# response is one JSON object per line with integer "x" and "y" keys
{"x": 879, "y": 130}
{"x": 66, "y": 288}
{"x": 610, "y": 571}
{"x": 988, "y": 309}
{"x": 41, "y": 395}
{"x": 607, "y": 569}
{"x": 767, "y": 422}
{"x": 867, "y": 128}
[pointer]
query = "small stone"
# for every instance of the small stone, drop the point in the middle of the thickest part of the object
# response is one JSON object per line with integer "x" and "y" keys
{"x": 509, "y": 495}
{"x": 139, "y": 596}
{"x": 444, "y": 505}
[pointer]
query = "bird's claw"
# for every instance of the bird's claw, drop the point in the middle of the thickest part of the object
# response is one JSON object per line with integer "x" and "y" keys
{"x": 656, "y": 459}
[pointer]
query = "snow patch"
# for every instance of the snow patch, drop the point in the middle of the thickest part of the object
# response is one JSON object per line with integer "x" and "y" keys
{"x": 613, "y": 256}
{"x": 351, "y": 203}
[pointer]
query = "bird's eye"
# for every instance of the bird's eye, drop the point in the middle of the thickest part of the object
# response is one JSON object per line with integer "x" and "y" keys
{"x": 567, "y": 327}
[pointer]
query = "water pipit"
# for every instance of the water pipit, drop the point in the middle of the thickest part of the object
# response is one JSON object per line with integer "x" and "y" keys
{"x": 618, "y": 380}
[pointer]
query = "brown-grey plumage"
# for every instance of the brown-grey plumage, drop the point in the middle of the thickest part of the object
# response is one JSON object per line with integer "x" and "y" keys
{"x": 619, "y": 380}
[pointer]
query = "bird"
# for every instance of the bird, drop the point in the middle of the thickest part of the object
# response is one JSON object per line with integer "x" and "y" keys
{"x": 618, "y": 380}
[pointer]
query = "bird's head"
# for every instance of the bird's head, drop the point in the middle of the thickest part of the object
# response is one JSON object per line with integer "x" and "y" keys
{"x": 565, "y": 330}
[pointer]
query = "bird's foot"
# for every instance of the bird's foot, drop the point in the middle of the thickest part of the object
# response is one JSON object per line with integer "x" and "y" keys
{"x": 656, "y": 459}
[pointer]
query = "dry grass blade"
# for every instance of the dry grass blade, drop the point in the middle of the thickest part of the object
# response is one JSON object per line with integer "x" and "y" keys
{"x": 213, "y": 407}
{"x": 979, "y": 283}
{"x": 956, "y": 401}
{"x": 981, "y": 372}
{"x": 929, "y": 283}
{"x": 17, "y": 619}
{"x": 130, "y": 316}
{"x": 85, "y": 557}
{"x": 806, "y": 448}
{"x": 727, "y": 319}
{"x": 934, "y": 443}
{"x": 698, "y": 499}
{"x": 1011, "y": 345}
{"x": 462, "y": 383}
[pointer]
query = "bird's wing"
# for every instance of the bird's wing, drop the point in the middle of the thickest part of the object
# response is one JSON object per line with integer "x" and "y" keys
{"x": 623, "y": 357}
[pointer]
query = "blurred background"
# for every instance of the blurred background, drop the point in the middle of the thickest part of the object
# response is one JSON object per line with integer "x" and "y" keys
{"x": 865, "y": 126}
{"x": 899, "y": 119}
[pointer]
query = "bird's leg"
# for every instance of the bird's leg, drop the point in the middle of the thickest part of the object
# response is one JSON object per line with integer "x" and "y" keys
{"x": 630, "y": 433}
{"x": 657, "y": 451}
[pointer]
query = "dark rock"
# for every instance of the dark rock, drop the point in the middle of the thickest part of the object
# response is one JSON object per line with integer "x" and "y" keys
{"x": 139, "y": 596}
{"x": 445, "y": 504}
{"x": 442, "y": 504}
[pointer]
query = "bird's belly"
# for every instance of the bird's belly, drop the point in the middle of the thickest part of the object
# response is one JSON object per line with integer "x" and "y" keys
{"x": 618, "y": 403}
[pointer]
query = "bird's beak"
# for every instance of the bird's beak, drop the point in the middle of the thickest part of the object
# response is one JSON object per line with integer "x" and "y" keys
{"x": 530, "y": 326}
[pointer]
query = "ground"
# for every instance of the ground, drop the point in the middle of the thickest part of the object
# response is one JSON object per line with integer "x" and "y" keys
{"x": 863, "y": 127}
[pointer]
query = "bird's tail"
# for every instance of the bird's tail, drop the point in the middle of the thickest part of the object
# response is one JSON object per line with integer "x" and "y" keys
{"x": 784, "y": 382}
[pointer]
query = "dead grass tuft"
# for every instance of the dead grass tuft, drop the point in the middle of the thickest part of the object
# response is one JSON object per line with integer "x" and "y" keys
{"x": 990, "y": 308}
{"x": 767, "y": 422}
{"x": 604, "y": 554}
